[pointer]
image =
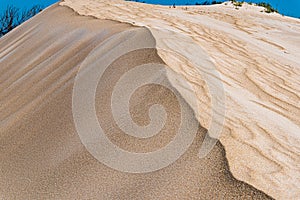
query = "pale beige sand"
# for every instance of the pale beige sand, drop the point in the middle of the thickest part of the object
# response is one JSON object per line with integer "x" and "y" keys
{"x": 41, "y": 154}
{"x": 257, "y": 55}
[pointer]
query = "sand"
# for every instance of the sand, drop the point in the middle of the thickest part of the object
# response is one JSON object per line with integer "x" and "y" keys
{"x": 257, "y": 55}
{"x": 42, "y": 156}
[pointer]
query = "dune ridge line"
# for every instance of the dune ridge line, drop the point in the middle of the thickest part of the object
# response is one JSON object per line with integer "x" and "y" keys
{"x": 43, "y": 156}
{"x": 261, "y": 130}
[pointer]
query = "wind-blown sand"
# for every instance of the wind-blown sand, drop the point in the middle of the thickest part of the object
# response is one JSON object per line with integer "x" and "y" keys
{"x": 256, "y": 54}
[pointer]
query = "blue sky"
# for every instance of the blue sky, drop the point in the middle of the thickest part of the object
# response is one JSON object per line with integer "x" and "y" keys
{"x": 25, "y": 3}
{"x": 286, "y": 7}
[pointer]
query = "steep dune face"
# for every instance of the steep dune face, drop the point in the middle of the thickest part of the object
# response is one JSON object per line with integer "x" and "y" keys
{"x": 42, "y": 155}
{"x": 257, "y": 56}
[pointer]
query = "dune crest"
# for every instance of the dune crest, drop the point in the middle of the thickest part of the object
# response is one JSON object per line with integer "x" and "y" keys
{"x": 257, "y": 55}
{"x": 42, "y": 156}
{"x": 42, "y": 153}
{"x": 257, "y": 59}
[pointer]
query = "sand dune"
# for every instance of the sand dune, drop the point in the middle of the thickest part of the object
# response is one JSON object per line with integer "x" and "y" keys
{"x": 257, "y": 58}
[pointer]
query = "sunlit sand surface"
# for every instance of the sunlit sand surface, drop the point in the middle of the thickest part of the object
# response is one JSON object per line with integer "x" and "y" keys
{"x": 256, "y": 55}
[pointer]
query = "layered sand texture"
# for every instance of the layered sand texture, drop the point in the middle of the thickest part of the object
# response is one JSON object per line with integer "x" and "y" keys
{"x": 42, "y": 156}
{"x": 256, "y": 55}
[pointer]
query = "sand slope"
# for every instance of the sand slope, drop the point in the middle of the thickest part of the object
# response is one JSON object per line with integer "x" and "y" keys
{"x": 41, "y": 154}
{"x": 257, "y": 55}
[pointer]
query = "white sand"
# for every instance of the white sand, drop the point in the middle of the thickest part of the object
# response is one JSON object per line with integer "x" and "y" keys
{"x": 256, "y": 54}
{"x": 42, "y": 156}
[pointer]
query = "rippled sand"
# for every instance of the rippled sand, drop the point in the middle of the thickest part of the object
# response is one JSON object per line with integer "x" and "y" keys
{"x": 257, "y": 56}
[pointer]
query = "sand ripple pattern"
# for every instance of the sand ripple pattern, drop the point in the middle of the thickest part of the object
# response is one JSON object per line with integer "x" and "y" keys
{"x": 257, "y": 55}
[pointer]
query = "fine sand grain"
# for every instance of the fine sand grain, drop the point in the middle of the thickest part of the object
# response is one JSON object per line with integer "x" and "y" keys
{"x": 41, "y": 154}
{"x": 257, "y": 55}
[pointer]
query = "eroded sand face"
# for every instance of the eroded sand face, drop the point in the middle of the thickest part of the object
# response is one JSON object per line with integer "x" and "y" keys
{"x": 42, "y": 156}
{"x": 257, "y": 55}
